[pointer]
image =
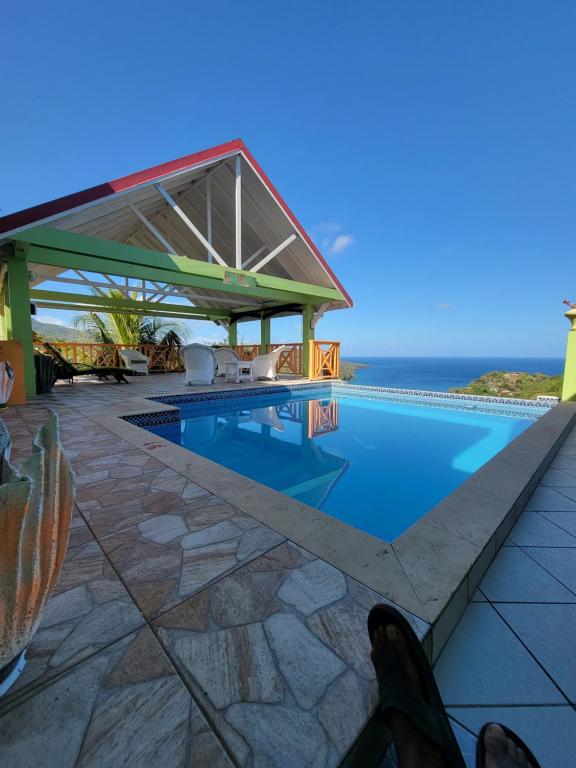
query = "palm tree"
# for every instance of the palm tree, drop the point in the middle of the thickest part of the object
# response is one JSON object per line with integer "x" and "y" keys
{"x": 131, "y": 330}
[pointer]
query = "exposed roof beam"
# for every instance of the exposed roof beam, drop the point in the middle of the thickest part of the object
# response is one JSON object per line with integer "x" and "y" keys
{"x": 158, "y": 290}
{"x": 254, "y": 256}
{"x": 151, "y": 228}
{"x": 267, "y": 312}
{"x": 45, "y": 278}
{"x": 71, "y": 250}
{"x": 273, "y": 253}
{"x": 167, "y": 245}
{"x": 108, "y": 304}
{"x": 159, "y": 214}
{"x": 86, "y": 282}
{"x": 176, "y": 208}
{"x": 229, "y": 195}
{"x": 185, "y": 293}
{"x": 238, "y": 211}
{"x": 121, "y": 311}
{"x": 209, "y": 213}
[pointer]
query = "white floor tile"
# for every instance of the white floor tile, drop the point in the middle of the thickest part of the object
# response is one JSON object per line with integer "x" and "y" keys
{"x": 549, "y": 500}
{"x": 548, "y": 631}
{"x": 559, "y": 478}
{"x": 483, "y": 663}
{"x": 533, "y": 530}
{"x": 565, "y": 520}
{"x": 559, "y": 561}
{"x": 514, "y": 577}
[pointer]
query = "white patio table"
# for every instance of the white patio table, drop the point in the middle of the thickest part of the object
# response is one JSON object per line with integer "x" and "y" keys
{"x": 238, "y": 370}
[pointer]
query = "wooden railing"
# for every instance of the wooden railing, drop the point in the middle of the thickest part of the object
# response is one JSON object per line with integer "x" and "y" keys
{"x": 322, "y": 418}
{"x": 324, "y": 356}
{"x": 247, "y": 351}
{"x": 290, "y": 360}
{"x": 324, "y": 360}
{"x": 162, "y": 357}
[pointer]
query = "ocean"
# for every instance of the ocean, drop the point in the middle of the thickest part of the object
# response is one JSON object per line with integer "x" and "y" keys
{"x": 439, "y": 374}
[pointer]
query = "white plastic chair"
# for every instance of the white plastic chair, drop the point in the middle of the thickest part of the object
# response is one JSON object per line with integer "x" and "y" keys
{"x": 224, "y": 355}
{"x": 264, "y": 366}
{"x": 200, "y": 363}
{"x": 135, "y": 361}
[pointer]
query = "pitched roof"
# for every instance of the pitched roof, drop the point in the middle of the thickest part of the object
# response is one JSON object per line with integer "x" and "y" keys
{"x": 76, "y": 212}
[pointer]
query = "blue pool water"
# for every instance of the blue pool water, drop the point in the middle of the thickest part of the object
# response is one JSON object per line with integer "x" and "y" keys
{"x": 378, "y": 465}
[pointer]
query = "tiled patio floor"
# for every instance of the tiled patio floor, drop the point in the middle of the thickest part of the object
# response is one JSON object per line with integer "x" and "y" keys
{"x": 184, "y": 632}
{"x": 512, "y": 658}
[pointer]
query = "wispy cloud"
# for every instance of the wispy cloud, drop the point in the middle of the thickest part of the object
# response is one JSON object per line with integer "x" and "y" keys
{"x": 443, "y": 306}
{"x": 331, "y": 238}
{"x": 341, "y": 243}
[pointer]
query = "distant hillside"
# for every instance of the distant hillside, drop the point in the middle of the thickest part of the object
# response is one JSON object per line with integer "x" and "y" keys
{"x": 348, "y": 369}
{"x": 53, "y": 332}
{"x": 506, "y": 384}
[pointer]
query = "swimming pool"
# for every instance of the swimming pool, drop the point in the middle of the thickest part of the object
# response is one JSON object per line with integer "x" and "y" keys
{"x": 376, "y": 460}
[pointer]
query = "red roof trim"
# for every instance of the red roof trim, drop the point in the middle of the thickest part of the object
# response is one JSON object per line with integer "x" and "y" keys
{"x": 37, "y": 213}
{"x": 62, "y": 204}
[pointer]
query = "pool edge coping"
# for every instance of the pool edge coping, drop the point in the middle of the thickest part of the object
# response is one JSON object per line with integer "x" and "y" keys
{"x": 430, "y": 570}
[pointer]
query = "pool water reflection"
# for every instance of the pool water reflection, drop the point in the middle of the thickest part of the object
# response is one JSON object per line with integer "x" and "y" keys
{"x": 376, "y": 465}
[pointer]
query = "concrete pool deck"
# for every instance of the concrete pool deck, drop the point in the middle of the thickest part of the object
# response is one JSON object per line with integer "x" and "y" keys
{"x": 194, "y": 621}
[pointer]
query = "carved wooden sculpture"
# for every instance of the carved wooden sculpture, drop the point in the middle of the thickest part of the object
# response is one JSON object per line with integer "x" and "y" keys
{"x": 35, "y": 514}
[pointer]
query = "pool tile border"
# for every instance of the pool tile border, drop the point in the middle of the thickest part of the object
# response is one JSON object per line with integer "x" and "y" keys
{"x": 154, "y": 418}
{"x": 443, "y": 395}
{"x": 448, "y": 400}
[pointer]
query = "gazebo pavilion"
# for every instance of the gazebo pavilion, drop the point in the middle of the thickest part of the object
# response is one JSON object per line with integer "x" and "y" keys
{"x": 204, "y": 237}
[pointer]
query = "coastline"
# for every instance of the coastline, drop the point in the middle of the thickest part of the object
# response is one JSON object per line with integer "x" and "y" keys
{"x": 442, "y": 374}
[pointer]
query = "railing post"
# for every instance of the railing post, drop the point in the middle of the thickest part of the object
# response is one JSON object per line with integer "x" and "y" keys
{"x": 337, "y": 360}
{"x": 307, "y": 337}
{"x": 569, "y": 382}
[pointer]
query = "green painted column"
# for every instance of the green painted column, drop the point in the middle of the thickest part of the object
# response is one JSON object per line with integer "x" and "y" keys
{"x": 264, "y": 335}
{"x": 569, "y": 383}
{"x": 17, "y": 313}
{"x": 307, "y": 337}
{"x": 3, "y": 329}
{"x": 233, "y": 334}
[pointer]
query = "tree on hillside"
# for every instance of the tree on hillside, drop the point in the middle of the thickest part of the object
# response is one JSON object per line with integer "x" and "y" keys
{"x": 114, "y": 328}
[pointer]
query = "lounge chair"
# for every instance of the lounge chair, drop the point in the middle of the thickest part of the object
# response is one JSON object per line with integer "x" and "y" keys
{"x": 225, "y": 355}
{"x": 200, "y": 363}
{"x": 65, "y": 370}
{"x": 135, "y": 361}
{"x": 264, "y": 366}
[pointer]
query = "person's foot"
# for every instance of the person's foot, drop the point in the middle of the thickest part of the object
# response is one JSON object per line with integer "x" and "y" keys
{"x": 502, "y": 752}
{"x": 413, "y": 748}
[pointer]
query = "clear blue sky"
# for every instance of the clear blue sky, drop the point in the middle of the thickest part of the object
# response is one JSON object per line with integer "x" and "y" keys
{"x": 436, "y": 139}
